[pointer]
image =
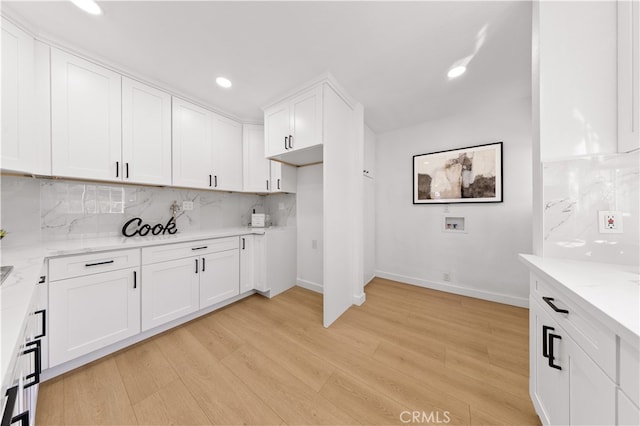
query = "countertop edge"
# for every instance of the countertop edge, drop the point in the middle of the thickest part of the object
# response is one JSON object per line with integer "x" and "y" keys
{"x": 600, "y": 315}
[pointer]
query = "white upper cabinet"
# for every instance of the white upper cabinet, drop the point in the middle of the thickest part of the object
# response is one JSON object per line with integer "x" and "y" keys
{"x": 19, "y": 150}
{"x": 284, "y": 178}
{"x": 628, "y": 76}
{"x": 86, "y": 129}
{"x": 192, "y": 148}
{"x": 146, "y": 134}
{"x": 227, "y": 153}
{"x": 293, "y": 128}
{"x": 256, "y": 168}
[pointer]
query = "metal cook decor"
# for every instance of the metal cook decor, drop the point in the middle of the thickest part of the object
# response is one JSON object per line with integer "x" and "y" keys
{"x": 135, "y": 227}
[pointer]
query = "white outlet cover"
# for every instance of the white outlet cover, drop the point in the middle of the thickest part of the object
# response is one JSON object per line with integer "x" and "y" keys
{"x": 187, "y": 205}
{"x": 610, "y": 222}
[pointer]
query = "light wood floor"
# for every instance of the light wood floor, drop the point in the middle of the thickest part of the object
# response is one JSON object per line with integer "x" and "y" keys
{"x": 262, "y": 361}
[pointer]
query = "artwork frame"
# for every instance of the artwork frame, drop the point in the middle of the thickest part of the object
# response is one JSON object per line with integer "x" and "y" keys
{"x": 452, "y": 176}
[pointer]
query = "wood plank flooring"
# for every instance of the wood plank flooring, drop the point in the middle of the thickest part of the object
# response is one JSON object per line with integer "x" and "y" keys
{"x": 269, "y": 362}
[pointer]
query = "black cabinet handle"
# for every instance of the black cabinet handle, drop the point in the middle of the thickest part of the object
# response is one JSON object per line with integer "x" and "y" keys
{"x": 215, "y": 181}
{"x": 267, "y": 184}
{"x": 199, "y": 248}
{"x": 551, "y": 357}
{"x": 117, "y": 169}
{"x": 286, "y": 139}
{"x": 196, "y": 266}
{"x": 278, "y": 183}
{"x": 44, "y": 323}
{"x": 7, "y": 420}
{"x": 127, "y": 168}
{"x": 545, "y": 339}
{"x": 36, "y": 350}
{"x": 135, "y": 280}
{"x": 290, "y": 142}
{"x": 549, "y": 301}
{"x": 203, "y": 263}
{"x": 209, "y": 180}
{"x": 98, "y": 263}
{"x": 242, "y": 243}
{"x": 43, "y": 279}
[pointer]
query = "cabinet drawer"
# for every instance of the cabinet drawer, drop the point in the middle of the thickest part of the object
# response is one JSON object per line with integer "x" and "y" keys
{"x": 630, "y": 371}
{"x": 93, "y": 263}
{"x": 181, "y": 250}
{"x": 597, "y": 341}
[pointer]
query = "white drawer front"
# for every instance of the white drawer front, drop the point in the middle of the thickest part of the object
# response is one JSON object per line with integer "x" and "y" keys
{"x": 181, "y": 250}
{"x": 597, "y": 341}
{"x": 75, "y": 266}
{"x": 630, "y": 371}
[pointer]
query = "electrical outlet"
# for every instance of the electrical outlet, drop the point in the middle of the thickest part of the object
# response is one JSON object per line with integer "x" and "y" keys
{"x": 187, "y": 205}
{"x": 610, "y": 222}
{"x": 446, "y": 277}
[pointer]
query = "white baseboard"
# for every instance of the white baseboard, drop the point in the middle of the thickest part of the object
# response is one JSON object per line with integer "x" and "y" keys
{"x": 359, "y": 299}
{"x": 522, "y": 302}
{"x": 309, "y": 285}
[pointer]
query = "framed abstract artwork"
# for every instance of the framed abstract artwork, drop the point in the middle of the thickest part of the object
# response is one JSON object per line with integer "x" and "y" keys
{"x": 464, "y": 175}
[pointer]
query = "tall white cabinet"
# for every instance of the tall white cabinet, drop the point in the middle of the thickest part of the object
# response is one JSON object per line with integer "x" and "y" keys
{"x": 628, "y": 75}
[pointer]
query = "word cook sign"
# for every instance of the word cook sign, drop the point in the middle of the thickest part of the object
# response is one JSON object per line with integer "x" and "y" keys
{"x": 135, "y": 227}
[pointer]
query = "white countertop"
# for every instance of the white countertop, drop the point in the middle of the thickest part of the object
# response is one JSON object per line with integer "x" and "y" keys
{"x": 17, "y": 291}
{"x": 613, "y": 290}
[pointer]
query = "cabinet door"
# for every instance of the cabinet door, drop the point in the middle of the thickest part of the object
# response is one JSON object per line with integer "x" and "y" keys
{"x": 628, "y": 76}
{"x": 256, "y": 168}
{"x": 220, "y": 277}
{"x": 276, "y": 129}
{"x": 86, "y": 133}
{"x": 247, "y": 263}
{"x": 170, "y": 291}
{"x": 306, "y": 119}
{"x": 259, "y": 263}
{"x": 283, "y": 177}
{"x": 550, "y": 388}
{"x": 18, "y": 146}
{"x": 192, "y": 148}
{"x": 592, "y": 395}
{"x": 90, "y": 312}
{"x": 227, "y": 160}
{"x": 628, "y": 413}
{"x": 146, "y": 133}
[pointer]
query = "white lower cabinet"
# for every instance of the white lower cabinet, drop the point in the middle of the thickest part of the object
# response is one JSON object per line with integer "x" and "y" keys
{"x": 247, "y": 263}
{"x": 201, "y": 274}
{"x": 170, "y": 290}
{"x": 90, "y": 312}
{"x": 572, "y": 375}
{"x": 219, "y": 277}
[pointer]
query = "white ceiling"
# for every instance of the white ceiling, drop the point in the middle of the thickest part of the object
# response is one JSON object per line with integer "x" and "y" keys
{"x": 391, "y": 56}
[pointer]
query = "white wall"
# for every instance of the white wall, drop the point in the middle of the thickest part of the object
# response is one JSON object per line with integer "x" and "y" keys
{"x": 411, "y": 246}
{"x": 369, "y": 220}
{"x": 309, "y": 220}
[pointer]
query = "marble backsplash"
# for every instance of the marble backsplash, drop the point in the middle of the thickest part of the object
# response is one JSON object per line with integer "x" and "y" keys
{"x": 43, "y": 210}
{"x": 575, "y": 190}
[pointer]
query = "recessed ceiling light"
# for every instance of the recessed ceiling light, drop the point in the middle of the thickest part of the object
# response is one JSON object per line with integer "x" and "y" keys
{"x": 88, "y": 6}
{"x": 223, "y": 82}
{"x": 456, "y": 71}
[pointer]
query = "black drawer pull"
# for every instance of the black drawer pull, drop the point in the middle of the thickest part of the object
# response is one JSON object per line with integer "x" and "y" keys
{"x": 551, "y": 357}
{"x": 44, "y": 323}
{"x": 135, "y": 279}
{"x": 209, "y": 180}
{"x": 290, "y": 142}
{"x": 200, "y": 248}
{"x": 286, "y": 139}
{"x": 98, "y": 263}
{"x": 117, "y": 169}
{"x": 278, "y": 183}
{"x": 36, "y": 350}
{"x": 215, "y": 181}
{"x": 203, "y": 264}
{"x": 196, "y": 266}
{"x": 43, "y": 279}
{"x": 242, "y": 243}
{"x": 545, "y": 340}
{"x": 549, "y": 301}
